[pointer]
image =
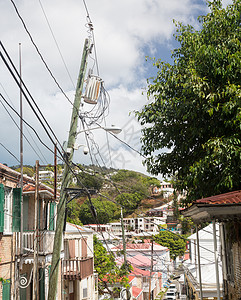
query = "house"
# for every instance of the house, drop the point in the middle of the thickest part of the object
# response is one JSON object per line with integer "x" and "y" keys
{"x": 207, "y": 262}
{"x": 79, "y": 279}
{"x": 46, "y": 175}
{"x": 145, "y": 282}
{"x": 31, "y": 250}
{"x": 143, "y": 224}
{"x": 140, "y": 255}
{"x": 225, "y": 209}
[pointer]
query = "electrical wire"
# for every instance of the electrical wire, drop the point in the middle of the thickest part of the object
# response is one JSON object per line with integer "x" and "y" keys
{"x": 56, "y": 43}
{"x": 39, "y": 53}
{"x": 40, "y": 152}
{"x": 18, "y": 127}
{"x": 10, "y": 152}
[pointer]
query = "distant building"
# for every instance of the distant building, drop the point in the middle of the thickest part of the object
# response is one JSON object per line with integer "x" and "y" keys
{"x": 45, "y": 175}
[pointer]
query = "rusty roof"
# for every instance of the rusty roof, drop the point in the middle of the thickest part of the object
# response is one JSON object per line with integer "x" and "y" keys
{"x": 227, "y": 198}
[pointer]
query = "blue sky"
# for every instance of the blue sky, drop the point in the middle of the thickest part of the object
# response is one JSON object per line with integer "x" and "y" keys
{"x": 125, "y": 33}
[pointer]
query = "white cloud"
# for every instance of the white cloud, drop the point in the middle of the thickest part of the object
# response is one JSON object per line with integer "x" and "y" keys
{"x": 125, "y": 31}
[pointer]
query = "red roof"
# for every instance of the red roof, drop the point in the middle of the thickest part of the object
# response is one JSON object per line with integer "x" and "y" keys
{"x": 136, "y": 291}
{"x": 137, "y": 271}
{"x": 228, "y": 198}
{"x": 133, "y": 246}
{"x": 130, "y": 278}
{"x": 30, "y": 188}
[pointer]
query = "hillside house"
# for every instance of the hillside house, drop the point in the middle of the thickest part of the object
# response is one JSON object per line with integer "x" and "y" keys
{"x": 10, "y": 237}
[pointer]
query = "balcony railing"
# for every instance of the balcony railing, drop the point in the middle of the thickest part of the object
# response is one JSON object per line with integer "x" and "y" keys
{"x": 77, "y": 268}
{"x": 45, "y": 240}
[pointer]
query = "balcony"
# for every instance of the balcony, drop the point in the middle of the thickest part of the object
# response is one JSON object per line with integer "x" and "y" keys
{"x": 77, "y": 268}
{"x": 45, "y": 242}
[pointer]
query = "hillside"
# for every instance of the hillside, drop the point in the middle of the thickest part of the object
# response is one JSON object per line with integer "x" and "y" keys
{"x": 114, "y": 189}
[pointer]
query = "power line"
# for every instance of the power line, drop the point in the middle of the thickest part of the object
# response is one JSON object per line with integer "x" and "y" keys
{"x": 56, "y": 43}
{"x": 10, "y": 152}
{"x": 21, "y": 86}
{"x": 17, "y": 126}
{"x": 39, "y": 53}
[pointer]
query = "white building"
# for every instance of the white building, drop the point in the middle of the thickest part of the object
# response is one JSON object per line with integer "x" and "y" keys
{"x": 45, "y": 175}
{"x": 78, "y": 264}
{"x": 143, "y": 224}
{"x": 207, "y": 262}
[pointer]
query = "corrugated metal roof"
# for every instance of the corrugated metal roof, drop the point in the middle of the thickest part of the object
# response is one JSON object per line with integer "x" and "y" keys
{"x": 136, "y": 291}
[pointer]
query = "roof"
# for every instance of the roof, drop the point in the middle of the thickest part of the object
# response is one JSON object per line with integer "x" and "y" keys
{"x": 221, "y": 207}
{"x": 228, "y": 198}
{"x": 205, "y": 233}
{"x": 30, "y": 188}
{"x": 136, "y": 291}
{"x": 140, "y": 246}
{"x": 137, "y": 272}
{"x": 73, "y": 228}
{"x": 131, "y": 278}
{"x": 16, "y": 175}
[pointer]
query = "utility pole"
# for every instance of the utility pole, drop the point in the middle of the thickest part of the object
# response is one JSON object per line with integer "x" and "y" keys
{"x": 55, "y": 172}
{"x": 124, "y": 251}
{"x": 36, "y": 234}
{"x": 53, "y": 281}
{"x": 151, "y": 270}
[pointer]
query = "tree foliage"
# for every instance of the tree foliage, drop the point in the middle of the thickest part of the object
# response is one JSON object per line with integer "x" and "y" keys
{"x": 106, "y": 211}
{"x": 175, "y": 243}
{"x": 108, "y": 272}
{"x": 195, "y": 110}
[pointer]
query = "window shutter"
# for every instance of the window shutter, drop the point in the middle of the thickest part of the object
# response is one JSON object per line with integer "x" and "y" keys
{"x": 17, "y": 194}
{"x": 6, "y": 290}
{"x": 71, "y": 249}
{"x": 1, "y": 207}
{"x": 51, "y": 215}
{"x": 84, "y": 247}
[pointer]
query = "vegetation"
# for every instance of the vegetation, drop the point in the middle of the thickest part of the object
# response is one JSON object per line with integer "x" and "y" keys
{"x": 195, "y": 109}
{"x": 108, "y": 272}
{"x": 123, "y": 188}
{"x": 175, "y": 243}
{"x": 28, "y": 170}
{"x": 106, "y": 211}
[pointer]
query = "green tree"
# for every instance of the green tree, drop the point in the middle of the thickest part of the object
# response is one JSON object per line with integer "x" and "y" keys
{"x": 175, "y": 243}
{"x": 195, "y": 108}
{"x": 129, "y": 201}
{"x": 28, "y": 170}
{"x": 109, "y": 273}
{"x": 106, "y": 211}
{"x": 90, "y": 181}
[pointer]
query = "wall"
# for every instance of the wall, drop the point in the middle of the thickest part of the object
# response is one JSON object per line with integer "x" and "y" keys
{"x": 5, "y": 258}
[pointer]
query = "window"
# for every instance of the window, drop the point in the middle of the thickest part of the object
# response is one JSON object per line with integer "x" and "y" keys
{"x": 85, "y": 294}
{"x": 10, "y": 209}
{"x": 7, "y": 210}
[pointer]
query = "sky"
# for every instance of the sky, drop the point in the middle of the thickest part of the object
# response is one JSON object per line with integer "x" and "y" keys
{"x": 125, "y": 33}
